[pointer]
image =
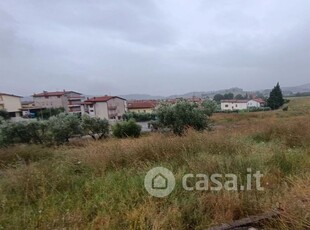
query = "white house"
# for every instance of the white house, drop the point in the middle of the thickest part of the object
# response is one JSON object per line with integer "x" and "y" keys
{"x": 234, "y": 104}
{"x": 241, "y": 104}
{"x": 109, "y": 107}
{"x": 256, "y": 103}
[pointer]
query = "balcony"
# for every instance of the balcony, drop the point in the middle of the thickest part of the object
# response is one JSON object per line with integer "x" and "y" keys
{"x": 74, "y": 105}
{"x": 75, "y": 98}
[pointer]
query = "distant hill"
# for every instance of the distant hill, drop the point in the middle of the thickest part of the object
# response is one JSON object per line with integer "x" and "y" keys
{"x": 209, "y": 94}
{"x": 141, "y": 97}
{"x": 298, "y": 89}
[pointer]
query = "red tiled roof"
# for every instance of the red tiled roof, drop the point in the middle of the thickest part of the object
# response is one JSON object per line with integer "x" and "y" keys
{"x": 141, "y": 105}
{"x": 259, "y": 100}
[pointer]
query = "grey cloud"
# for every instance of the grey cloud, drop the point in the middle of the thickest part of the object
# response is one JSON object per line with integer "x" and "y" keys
{"x": 153, "y": 47}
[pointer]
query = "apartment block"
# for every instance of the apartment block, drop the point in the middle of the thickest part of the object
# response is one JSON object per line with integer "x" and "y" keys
{"x": 69, "y": 100}
{"x": 111, "y": 108}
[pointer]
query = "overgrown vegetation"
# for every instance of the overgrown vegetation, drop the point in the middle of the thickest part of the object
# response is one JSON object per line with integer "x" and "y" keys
{"x": 99, "y": 185}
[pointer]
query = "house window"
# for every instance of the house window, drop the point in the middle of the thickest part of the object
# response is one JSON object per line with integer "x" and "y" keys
{"x": 58, "y": 96}
{"x": 236, "y": 105}
{"x": 226, "y": 106}
{"x": 46, "y": 97}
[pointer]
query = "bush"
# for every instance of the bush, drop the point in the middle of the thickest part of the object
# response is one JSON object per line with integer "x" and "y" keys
{"x": 181, "y": 116}
{"x": 126, "y": 129}
{"x": 95, "y": 126}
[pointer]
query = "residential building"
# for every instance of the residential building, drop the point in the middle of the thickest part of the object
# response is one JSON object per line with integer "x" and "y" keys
{"x": 11, "y": 103}
{"x": 69, "y": 100}
{"x": 234, "y": 104}
{"x": 142, "y": 106}
{"x": 256, "y": 103}
{"x": 109, "y": 107}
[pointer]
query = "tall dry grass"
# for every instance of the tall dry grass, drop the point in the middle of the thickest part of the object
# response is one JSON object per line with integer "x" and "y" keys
{"x": 99, "y": 185}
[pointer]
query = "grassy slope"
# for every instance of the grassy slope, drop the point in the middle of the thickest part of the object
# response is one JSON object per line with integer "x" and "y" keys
{"x": 100, "y": 184}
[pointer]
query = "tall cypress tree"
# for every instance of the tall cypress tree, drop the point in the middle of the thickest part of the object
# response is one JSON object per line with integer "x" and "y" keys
{"x": 275, "y": 99}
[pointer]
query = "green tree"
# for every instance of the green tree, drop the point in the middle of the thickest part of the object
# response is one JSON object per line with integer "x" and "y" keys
{"x": 239, "y": 97}
{"x": 63, "y": 126}
{"x": 94, "y": 126}
{"x": 275, "y": 99}
{"x": 228, "y": 96}
{"x": 218, "y": 98}
{"x": 210, "y": 107}
{"x": 182, "y": 115}
{"x": 126, "y": 129}
{"x": 4, "y": 114}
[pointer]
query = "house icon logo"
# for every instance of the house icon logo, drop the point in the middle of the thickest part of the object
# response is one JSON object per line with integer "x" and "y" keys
{"x": 159, "y": 182}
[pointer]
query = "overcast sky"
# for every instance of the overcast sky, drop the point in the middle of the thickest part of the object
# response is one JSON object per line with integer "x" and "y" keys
{"x": 154, "y": 47}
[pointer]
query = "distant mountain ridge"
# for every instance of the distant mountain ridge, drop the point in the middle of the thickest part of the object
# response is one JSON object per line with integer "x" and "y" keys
{"x": 235, "y": 90}
{"x": 209, "y": 94}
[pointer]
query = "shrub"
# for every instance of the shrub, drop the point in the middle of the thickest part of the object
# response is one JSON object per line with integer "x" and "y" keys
{"x": 126, "y": 129}
{"x": 95, "y": 126}
{"x": 181, "y": 116}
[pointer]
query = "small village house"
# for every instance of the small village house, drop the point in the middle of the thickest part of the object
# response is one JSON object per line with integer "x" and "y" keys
{"x": 11, "y": 103}
{"x": 234, "y": 104}
{"x": 256, "y": 103}
{"x": 111, "y": 108}
{"x": 142, "y": 106}
{"x": 69, "y": 100}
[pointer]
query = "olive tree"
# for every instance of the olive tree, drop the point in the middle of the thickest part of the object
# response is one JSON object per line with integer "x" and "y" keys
{"x": 95, "y": 127}
{"x": 63, "y": 126}
{"x": 210, "y": 107}
{"x": 182, "y": 115}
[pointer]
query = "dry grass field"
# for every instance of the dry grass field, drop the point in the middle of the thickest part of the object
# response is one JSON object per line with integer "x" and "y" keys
{"x": 99, "y": 185}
